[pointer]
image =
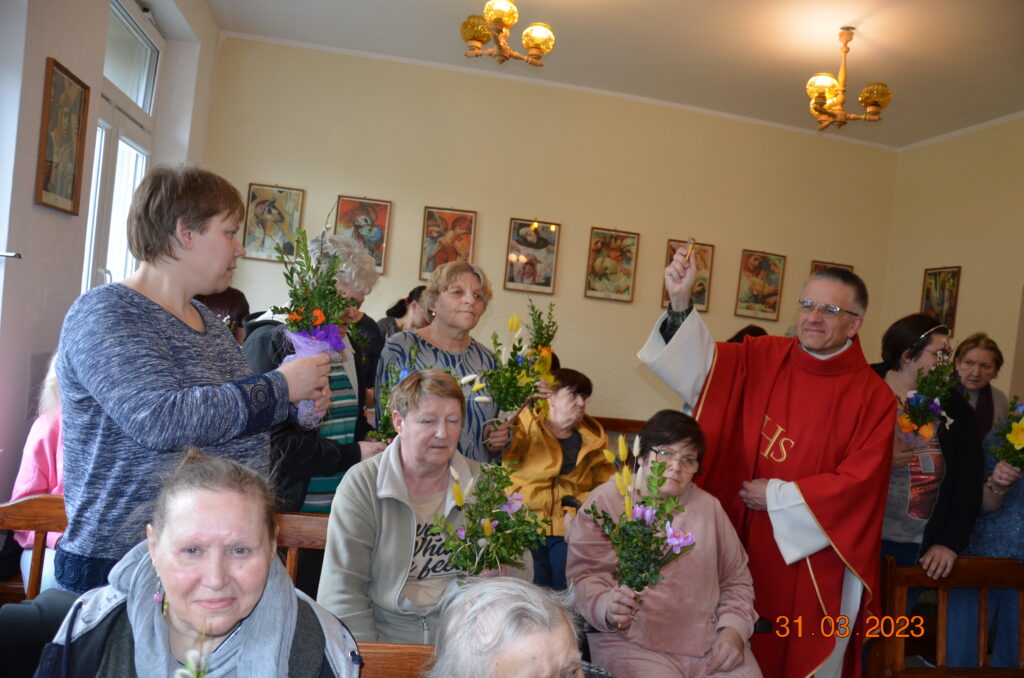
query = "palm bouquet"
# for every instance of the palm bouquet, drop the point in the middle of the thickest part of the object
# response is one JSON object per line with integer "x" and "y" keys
{"x": 496, "y": 527}
{"x": 1009, "y": 434}
{"x": 922, "y": 408}
{"x": 315, "y": 310}
{"x": 642, "y": 544}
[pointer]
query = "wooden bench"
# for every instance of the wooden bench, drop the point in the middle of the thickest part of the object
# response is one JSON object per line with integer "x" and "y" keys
{"x": 969, "y": 572}
{"x": 42, "y": 513}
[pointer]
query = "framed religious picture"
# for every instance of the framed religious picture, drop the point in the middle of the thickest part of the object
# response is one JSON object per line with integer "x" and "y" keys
{"x": 703, "y": 255}
{"x": 62, "y": 139}
{"x": 760, "y": 285}
{"x": 447, "y": 236}
{"x": 273, "y": 215}
{"x": 611, "y": 264}
{"x": 939, "y": 293}
{"x": 818, "y": 265}
{"x": 530, "y": 255}
{"x": 365, "y": 221}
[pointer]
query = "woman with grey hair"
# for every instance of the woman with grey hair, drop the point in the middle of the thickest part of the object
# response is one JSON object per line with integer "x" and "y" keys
{"x": 456, "y": 296}
{"x": 308, "y": 465}
{"x": 502, "y": 627}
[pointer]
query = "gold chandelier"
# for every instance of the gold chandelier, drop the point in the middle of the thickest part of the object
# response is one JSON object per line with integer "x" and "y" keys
{"x": 498, "y": 17}
{"x": 828, "y": 94}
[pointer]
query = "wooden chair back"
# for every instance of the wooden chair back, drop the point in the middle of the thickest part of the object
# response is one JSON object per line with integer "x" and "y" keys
{"x": 983, "y": 574}
{"x": 394, "y": 660}
{"x": 300, "y": 530}
{"x": 42, "y": 513}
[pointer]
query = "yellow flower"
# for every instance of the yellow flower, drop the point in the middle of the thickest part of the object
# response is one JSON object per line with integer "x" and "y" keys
{"x": 627, "y": 476}
{"x": 1016, "y": 434}
{"x": 628, "y": 505}
{"x": 513, "y": 323}
{"x": 457, "y": 493}
{"x": 623, "y": 449}
{"x": 609, "y": 456}
{"x": 479, "y": 386}
{"x": 488, "y": 527}
{"x": 543, "y": 364}
{"x": 906, "y": 426}
{"x": 619, "y": 484}
{"x": 926, "y": 431}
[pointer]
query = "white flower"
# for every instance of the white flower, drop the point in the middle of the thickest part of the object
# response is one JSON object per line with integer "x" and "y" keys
{"x": 482, "y": 399}
{"x": 468, "y": 378}
{"x": 454, "y": 473}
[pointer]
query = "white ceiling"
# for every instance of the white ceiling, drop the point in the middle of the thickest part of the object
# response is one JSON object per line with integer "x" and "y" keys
{"x": 952, "y": 64}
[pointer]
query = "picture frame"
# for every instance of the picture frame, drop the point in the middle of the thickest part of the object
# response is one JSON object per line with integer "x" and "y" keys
{"x": 611, "y": 264}
{"x": 704, "y": 255}
{"x": 273, "y": 215}
{"x": 367, "y": 221}
{"x": 62, "y": 139}
{"x": 939, "y": 293}
{"x": 448, "y": 235}
{"x": 818, "y": 265}
{"x": 760, "y": 284}
{"x": 531, "y": 255}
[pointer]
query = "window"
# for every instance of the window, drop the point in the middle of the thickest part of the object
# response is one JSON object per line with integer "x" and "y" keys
{"x": 124, "y": 141}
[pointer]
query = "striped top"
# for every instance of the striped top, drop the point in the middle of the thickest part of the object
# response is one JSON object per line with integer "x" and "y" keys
{"x": 339, "y": 425}
{"x": 474, "y": 359}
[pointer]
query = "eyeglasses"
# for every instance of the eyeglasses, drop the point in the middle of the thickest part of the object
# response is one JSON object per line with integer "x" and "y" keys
{"x": 827, "y": 310}
{"x": 942, "y": 354}
{"x": 688, "y": 462}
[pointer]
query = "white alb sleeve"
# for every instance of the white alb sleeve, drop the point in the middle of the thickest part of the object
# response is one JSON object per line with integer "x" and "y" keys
{"x": 796, "y": 531}
{"x": 684, "y": 362}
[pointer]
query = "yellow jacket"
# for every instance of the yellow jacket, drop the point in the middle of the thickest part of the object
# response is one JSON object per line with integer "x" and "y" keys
{"x": 535, "y": 456}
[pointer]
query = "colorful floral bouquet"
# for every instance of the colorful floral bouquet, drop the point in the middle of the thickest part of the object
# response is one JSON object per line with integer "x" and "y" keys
{"x": 315, "y": 311}
{"x": 922, "y": 408}
{"x": 1009, "y": 434}
{"x": 497, "y": 528}
{"x": 642, "y": 545}
{"x": 395, "y": 373}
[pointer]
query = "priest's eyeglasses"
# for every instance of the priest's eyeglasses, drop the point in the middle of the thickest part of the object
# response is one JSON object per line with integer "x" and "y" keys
{"x": 827, "y": 310}
{"x": 688, "y": 462}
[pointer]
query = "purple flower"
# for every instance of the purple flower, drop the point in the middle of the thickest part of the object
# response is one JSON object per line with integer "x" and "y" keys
{"x": 461, "y": 533}
{"x": 514, "y": 503}
{"x": 934, "y": 407}
{"x": 644, "y": 512}
{"x": 676, "y": 539}
{"x": 403, "y": 374}
{"x": 329, "y": 334}
{"x": 1020, "y": 407}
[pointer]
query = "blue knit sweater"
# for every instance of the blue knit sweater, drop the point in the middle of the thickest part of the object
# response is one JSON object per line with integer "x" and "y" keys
{"x": 137, "y": 386}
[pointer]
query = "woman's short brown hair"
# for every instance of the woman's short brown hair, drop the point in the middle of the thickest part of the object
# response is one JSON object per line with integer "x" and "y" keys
{"x": 419, "y": 385}
{"x": 443, "y": 277}
{"x": 168, "y": 194}
{"x": 199, "y": 471}
{"x": 982, "y": 341}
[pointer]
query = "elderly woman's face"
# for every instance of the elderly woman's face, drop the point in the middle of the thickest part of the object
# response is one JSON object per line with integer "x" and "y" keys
{"x": 976, "y": 368}
{"x": 430, "y": 433}
{"x": 681, "y": 464}
{"x": 548, "y": 654}
{"x": 213, "y": 557}
{"x": 461, "y": 305}
{"x": 567, "y": 407}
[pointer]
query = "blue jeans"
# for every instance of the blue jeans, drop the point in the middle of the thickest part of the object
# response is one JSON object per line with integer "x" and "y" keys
{"x": 962, "y": 631}
{"x": 549, "y": 563}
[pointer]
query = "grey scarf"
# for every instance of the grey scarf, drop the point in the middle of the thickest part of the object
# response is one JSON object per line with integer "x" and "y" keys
{"x": 259, "y": 645}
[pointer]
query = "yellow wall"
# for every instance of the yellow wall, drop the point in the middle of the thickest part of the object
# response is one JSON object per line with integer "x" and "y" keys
{"x": 960, "y": 202}
{"x": 332, "y": 123}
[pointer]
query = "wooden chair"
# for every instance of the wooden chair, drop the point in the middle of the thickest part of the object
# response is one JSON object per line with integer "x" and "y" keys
{"x": 42, "y": 513}
{"x": 976, "y": 573}
{"x": 394, "y": 660}
{"x": 300, "y": 531}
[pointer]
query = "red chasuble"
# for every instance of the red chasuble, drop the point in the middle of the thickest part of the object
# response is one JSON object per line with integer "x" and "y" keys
{"x": 770, "y": 410}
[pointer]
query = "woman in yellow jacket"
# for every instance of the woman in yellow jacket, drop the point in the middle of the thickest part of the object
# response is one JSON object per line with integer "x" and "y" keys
{"x": 554, "y": 457}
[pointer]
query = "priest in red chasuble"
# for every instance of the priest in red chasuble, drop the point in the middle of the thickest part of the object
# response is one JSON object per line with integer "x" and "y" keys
{"x": 799, "y": 446}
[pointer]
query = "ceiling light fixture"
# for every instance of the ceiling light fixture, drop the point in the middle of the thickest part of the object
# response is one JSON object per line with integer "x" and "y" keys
{"x": 828, "y": 94}
{"x": 498, "y": 17}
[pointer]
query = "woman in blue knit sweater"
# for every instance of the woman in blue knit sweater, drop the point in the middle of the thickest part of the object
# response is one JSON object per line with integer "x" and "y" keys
{"x": 144, "y": 370}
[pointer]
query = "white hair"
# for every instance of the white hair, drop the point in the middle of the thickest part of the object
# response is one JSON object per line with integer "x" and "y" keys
{"x": 356, "y": 268}
{"x": 480, "y": 618}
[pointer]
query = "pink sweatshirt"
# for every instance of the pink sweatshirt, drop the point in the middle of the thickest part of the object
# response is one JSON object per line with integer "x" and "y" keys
{"x": 42, "y": 469}
{"x": 703, "y": 590}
